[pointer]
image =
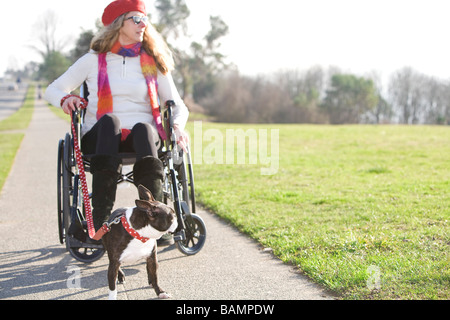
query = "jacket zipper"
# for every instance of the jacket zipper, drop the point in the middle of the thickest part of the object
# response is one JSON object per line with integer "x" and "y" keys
{"x": 123, "y": 68}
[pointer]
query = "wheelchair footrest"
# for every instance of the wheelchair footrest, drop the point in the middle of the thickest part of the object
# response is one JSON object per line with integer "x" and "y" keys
{"x": 179, "y": 236}
{"x": 75, "y": 243}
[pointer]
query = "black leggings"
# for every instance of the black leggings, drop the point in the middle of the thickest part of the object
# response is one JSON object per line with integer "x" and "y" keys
{"x": 105, "y": 138}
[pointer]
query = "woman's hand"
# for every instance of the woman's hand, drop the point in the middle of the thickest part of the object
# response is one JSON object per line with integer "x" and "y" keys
{"x": 182, "y": 138}
{"x": 72, "y": 103}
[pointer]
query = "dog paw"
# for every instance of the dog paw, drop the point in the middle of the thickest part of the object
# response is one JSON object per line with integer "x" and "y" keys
{"x": 164, "y": 295}
{"x": 112, "y": 295}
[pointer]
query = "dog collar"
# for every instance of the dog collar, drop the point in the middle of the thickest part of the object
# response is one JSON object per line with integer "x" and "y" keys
{"x": 133, "y": 232}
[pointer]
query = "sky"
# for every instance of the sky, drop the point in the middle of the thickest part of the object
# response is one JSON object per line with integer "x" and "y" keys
{"x": 357, "y": 36}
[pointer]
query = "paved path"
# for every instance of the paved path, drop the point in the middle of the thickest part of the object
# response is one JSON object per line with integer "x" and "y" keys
{"x": 33, "y": 265}
{"x": 11, "y": 101}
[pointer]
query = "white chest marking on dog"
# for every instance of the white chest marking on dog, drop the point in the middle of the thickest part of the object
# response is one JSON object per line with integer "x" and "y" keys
{"x": 136, "y": 250}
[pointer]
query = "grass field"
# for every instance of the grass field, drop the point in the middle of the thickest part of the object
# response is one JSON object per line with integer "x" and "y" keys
{"x": 362, "y": 210}
{"x": 11, "y": 135}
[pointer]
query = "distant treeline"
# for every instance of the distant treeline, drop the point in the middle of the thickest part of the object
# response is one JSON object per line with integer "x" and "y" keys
{"x": 322, "y": 96}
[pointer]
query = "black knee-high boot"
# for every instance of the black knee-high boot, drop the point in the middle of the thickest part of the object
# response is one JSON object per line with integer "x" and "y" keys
{"x": 149, "y": 172}
{"x": 105, "y": 171}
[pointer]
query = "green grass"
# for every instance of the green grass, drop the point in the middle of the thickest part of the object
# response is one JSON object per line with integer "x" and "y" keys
{"x": 21, "y": 118}
{"x": 10, "y": 135}
{"x": 9, "y": 143}
{"x": 345, "y": 200}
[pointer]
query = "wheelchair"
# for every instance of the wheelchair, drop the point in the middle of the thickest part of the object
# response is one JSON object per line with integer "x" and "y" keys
{"x": 178, "y": 190}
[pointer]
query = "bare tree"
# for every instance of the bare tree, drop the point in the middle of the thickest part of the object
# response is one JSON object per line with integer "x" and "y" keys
{"x": 172, "y": 18}
{"x": 46, "y": 34}
{"x": 406, "y": 95}
{"x": 436, "y": 101}
{"x": 50, "y": 47}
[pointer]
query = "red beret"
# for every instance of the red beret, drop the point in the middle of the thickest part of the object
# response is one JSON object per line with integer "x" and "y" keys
{"x": 119, "y": 7}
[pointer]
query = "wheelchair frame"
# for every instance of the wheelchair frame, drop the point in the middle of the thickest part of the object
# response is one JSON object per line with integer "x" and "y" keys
{"x": 178, "y": 190}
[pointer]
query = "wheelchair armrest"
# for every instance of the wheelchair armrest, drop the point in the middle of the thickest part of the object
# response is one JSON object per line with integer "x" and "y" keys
{"x": 77, "y": 121}
{"x": 168, "y": 118}
{"x": 78, "y": 116}
{"x": 169, "y": 105}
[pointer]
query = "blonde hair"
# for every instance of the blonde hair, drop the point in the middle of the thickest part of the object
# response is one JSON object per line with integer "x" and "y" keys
{"x": 153, "y": 43}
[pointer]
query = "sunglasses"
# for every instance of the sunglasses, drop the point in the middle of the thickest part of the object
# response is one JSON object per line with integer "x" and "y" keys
{"x": 137, "y": 19}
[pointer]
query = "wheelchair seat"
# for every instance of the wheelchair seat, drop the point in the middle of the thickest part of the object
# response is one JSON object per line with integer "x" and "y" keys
{"x": 127, "y": 159}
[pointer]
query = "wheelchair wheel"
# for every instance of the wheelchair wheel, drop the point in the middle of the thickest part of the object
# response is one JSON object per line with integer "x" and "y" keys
{"x": 67, "y": 183}
{"x": 64, "y": 185}
{"x": 195, "y": 235}
{"x": 60, "y": 191}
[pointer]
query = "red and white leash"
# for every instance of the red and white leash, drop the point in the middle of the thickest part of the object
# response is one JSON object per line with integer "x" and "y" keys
{"x": 82, "y": 173}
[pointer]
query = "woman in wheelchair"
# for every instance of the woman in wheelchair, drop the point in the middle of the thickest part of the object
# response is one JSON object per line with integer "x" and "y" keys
{"x": 126, "y": 71}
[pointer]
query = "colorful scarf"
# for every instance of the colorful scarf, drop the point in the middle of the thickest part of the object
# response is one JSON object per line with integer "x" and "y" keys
{"x": 149, "y": 70}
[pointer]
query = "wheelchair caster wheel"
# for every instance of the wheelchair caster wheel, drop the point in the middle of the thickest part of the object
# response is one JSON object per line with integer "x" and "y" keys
{"x": 194, "y": 236}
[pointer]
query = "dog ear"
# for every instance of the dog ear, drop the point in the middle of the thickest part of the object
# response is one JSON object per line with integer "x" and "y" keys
{"x": 146, "y": 206}
{"x": 145, "y": 194}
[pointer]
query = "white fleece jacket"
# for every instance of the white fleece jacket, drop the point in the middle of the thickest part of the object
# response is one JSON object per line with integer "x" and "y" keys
{"x": 131, "y": 102}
